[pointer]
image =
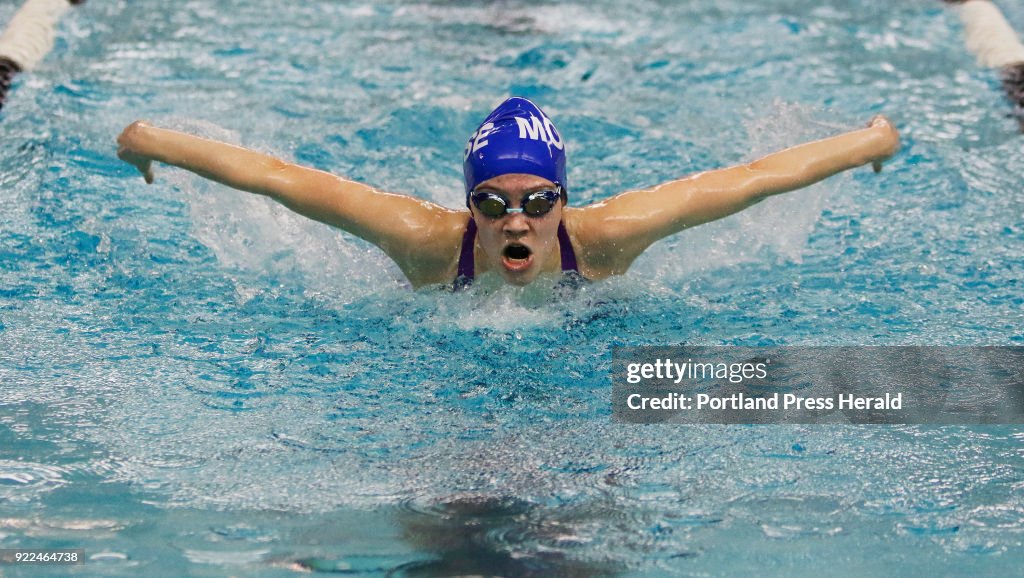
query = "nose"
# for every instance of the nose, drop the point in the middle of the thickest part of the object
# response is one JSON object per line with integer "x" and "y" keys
{"x": 515, "y": 225}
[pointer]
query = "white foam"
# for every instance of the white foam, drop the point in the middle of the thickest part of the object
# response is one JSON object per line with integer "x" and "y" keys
{"x": 508, "y": 310}
{"x": 256, "y": 234}
{"x": 778, "y": 227}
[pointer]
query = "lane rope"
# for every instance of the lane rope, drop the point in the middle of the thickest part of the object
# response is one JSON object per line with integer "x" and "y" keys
{"x": 994, "y": 42}
{"x": 28, "y": 38}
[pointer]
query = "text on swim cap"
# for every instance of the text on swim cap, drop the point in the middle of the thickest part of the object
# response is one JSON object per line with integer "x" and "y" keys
{"x": 536, "y": 129}
{"x": 532, "y": 128}
{"x": 477, "y": 141}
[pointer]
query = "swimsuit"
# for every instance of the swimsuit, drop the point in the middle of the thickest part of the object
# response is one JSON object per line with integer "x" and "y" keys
{"x": 467, "y": 265}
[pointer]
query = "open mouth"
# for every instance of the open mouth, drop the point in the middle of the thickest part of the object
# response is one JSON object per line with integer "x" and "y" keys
{"x": 517, "y": 252}
{"x": 516, "y": 257}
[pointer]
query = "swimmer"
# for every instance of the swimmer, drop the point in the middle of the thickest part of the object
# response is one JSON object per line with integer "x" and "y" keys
{"x": 517, "y": 223}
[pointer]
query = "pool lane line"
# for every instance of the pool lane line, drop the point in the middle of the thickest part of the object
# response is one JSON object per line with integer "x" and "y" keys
{"x": 991, "y": 39}
{"x": 28, "y": 38}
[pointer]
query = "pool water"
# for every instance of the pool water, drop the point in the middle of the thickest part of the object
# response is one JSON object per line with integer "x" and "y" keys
{"x": 197, "y": 382}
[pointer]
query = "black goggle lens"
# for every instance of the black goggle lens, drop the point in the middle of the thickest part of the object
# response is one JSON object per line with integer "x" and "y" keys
{"x": 490, "y": 205}
{"x": 537, "y": 206}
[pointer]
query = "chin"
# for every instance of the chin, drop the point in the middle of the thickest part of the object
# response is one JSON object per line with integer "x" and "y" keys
{"x": 522, "y": 277}
{"x": 519, "y": 271}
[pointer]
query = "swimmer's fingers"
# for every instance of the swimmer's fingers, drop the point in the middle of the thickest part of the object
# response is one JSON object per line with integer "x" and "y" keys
{"x": 147, "y": 171}
{"x": 127, "y": 153}
{"x": 889, "y": 143}
{"x": 143, "y": 164}
{"x": 879, "y": 120}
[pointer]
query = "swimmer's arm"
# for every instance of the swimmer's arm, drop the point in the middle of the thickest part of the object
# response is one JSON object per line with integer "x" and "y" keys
{"x": 420, "y": 236}
{"x": 246, "y": 170}
{"x": 624, "y": 226}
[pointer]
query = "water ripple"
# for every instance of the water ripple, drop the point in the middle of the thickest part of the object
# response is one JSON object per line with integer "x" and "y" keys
{"x": 22, "y": 482}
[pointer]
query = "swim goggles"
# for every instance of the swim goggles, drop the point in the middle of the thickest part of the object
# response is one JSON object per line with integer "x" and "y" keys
{"x": 536, "y": 204}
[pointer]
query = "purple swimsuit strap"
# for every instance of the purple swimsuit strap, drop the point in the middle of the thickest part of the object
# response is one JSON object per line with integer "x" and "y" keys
{"x": 467, "y": 266}
{"x": 565, "y": 246}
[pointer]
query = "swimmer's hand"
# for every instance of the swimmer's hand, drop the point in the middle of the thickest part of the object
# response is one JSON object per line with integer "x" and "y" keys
{"x": 127, "y": 152}
{"x": 889, "y": 140}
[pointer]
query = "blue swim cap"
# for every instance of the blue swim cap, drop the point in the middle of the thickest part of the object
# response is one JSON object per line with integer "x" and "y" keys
{"x": 517, "y": 137}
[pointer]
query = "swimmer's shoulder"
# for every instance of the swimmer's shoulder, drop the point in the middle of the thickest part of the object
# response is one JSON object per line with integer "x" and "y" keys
{"x": 430, "y": 255}
{"x": 601, "y": 241}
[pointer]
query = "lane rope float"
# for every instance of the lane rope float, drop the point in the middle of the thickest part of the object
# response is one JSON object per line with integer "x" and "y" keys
{"x": 994, "y": 42}
{"x": 28, "y": 38}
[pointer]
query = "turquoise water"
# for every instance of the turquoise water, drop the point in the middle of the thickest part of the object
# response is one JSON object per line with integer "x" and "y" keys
{"x": 195, "y": 382}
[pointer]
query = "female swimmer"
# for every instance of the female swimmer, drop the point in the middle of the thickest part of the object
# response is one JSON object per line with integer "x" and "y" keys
{"x": 518, "y": 224}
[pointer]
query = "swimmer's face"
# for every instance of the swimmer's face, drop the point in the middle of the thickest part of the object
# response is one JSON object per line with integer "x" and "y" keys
{"x": 519, "y": 247}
